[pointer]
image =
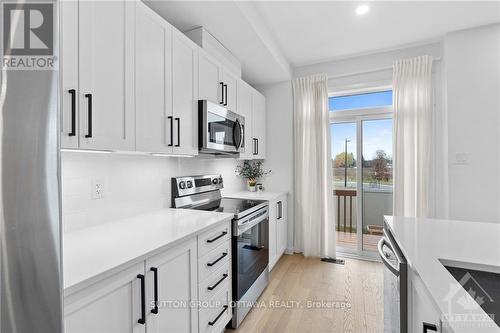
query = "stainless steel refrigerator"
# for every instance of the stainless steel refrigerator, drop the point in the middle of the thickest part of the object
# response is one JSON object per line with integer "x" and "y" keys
{"x": 30, "y": 226}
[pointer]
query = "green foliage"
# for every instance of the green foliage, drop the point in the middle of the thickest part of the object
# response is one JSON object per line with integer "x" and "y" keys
{"x": 339, "y": 160}
{"x": 251, "y": 170}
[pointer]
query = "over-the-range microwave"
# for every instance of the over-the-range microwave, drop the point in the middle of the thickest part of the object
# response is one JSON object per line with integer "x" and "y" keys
{"x": 220, "y": 131}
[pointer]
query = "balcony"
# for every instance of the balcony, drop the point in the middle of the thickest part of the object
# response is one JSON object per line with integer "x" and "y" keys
{"x": 377, "y": 201}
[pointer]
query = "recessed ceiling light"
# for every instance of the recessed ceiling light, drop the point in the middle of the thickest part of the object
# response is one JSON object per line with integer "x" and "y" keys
{"x": 362, "y": 9}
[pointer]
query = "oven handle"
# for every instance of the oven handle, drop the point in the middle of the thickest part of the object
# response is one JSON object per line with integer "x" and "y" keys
{"x": 246, "y": 226}
{"x": 383, "y": 241}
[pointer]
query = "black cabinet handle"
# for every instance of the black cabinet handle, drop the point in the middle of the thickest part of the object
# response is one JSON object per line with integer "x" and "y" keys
{"x": 212, "y": 323}
{"x": 254, "y": 146}
{"x": 142, "y": 320}
{"x": 278, "y": 208}
{"x": 73, "y": 112}
{"x": 155, "y": 292}
{"x": 178, "y": 132}
{"x": 225, "y": 101}
{"x": 428, "y": 327}
{"x": 224, "y": 276}
{"x": 89, "y": 100}
{"x": 216, "y": 238}
{"x": 221, "y": 93}
{"x": 171, "y": 131}
{"x": 210, "y": 264}
{"x": 257, "y": 146}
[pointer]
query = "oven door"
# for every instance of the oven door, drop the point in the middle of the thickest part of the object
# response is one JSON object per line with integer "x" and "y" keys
{"x": 220, "y": 129}
{"x": 250, "y": 251}
{"x": 395, "y": 286}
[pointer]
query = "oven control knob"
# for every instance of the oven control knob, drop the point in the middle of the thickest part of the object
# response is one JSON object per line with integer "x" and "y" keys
{"x": 182, "y": 185}
{"x": 189, "y": 184}
{"x": 215, "y": 181}
{"x": 220, "y": 180}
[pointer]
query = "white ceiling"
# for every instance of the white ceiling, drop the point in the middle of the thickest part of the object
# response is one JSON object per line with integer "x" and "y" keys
{"x": 270, "y": 36}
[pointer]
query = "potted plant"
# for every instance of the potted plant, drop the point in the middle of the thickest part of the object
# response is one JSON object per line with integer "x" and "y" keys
{"x": 251, "y": 171}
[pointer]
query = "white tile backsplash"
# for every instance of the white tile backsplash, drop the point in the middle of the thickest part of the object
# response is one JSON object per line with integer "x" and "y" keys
{"x": 133, "y": 184}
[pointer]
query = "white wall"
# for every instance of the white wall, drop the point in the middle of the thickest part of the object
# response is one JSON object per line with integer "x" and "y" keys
{"x": 279, "y": 146}
{"x": 134, "y": 184}
{"x": 473, "y": 100}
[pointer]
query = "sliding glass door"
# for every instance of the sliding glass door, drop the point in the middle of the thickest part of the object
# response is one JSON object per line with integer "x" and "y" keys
{"x": 361, "y": 145}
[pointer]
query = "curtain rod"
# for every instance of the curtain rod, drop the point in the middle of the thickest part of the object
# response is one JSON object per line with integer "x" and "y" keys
{"x": 380, "y": 69}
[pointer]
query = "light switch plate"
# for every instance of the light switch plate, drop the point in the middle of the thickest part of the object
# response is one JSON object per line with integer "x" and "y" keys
{"x": 97, "y": 189}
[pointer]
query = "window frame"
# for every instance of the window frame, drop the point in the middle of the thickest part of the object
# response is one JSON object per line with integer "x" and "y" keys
{"x": 352, "y": 114}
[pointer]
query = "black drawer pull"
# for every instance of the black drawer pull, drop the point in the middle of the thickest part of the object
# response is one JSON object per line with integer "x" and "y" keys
{"x": 142, "y": 320}
{"x": 73, "y": 112}
{"x": 155, "y": 292}
{"x": 89, "y": 99}
{"x": 426, "y": 327}
{"x": 210, "y": 264}
{"x": 224, "y": 276}
{"x": 216, "y": 238}
{"x": 212, "y": 323}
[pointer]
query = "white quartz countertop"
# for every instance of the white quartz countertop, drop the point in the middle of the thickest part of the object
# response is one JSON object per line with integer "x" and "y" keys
{"x": 264, "y": 195}
{"x": 474, "y": 245}
{"x": 90, "y": 252}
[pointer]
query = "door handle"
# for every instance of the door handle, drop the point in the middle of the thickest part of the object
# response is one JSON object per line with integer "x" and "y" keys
{"x": 225, "y": 88}
{"x": 73, "y": 112}
{"x": 178, "y": 132}
{"x": 221, "y": 93}
{"x": 89, "y": 100}
{"x": 171, "y": 131}
{"x": 387, "y": 263}
{"x": 155, "y": 291}
{"x": 428, "y": 327}
{"x": 210, "y": 264}
{"x": 142, "y": 320}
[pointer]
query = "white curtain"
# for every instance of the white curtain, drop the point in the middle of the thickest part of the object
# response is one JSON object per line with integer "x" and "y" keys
{"x": 413, "y": 134}
{"x": 315, "y": 218}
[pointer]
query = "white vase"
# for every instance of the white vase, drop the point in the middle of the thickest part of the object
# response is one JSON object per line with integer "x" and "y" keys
{"x": 251, "y": 188}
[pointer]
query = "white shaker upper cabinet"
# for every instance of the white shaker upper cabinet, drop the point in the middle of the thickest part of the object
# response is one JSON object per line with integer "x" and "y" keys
{"x": 245, "y": 109}
{"x": 184, "y": 94}
{"x": 230, "y": 90}
{"x": 153, "y": 81}
{"x": 69, "y": 76}
{"x": 259, "y": 125}
{"x": 210, "y": 78}
{"x": 106, "y": 50}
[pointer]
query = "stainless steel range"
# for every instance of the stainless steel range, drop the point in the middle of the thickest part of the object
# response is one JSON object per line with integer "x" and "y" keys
{"x": 250, "y": 235}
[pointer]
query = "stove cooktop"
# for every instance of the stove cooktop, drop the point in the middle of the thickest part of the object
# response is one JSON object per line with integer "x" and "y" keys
{"x": 230, "y": 205}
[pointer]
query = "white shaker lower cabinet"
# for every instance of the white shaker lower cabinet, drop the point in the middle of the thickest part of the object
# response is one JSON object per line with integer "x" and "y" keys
{"x": 172, "y": 277}
{"x": 277, "y": 229}
{"x": 175, "y": 280}
{"x": 110, "y": 305}
{"x": 423, "y": 315}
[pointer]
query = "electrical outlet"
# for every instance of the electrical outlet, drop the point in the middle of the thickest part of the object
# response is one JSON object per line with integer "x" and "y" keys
{"x": 97, "y": 189}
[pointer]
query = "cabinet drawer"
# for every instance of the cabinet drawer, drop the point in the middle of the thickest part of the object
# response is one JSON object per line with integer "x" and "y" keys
{"x": 219, "y": 280}
{"x": 212, "y": 261}
{"x": 213, "y": 238}
{"x": 216, "y": 313}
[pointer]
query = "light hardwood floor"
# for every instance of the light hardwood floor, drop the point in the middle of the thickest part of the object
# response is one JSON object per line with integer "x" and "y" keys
{"x": 356, "y": 286}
